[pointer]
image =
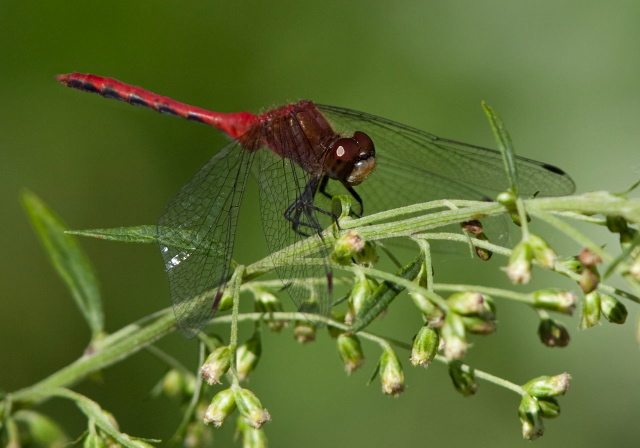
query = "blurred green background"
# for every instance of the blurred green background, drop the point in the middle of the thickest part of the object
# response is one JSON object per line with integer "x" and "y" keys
{"x": 563, "y": 75}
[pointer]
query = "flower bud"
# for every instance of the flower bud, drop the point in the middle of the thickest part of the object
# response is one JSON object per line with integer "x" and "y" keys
{"x": 453, "y": 335}
{"x": 612, "y": 309}
{"x": 507, "y": 199}
{"x": 226, "y": 302}
{"x": 433, "y": 314}
{"x": 350, "y": 352}
{"x": 554, "y": 300}
{"x": 542, "y": 253}
{"x": 473, "y": 226}
{"x": 222, "y": 405}
{"x": 481, "y": 253}
{"x": 304, "y": 332}
{"x": 216, "y": 365}
{"x": 467, "y": 303}
{"x": 248, "y": 355}
{"x": 590, "y": 312}
{"x": 519, "y": 267}
{"x": 251, "y": 437}
{"x": 40, "y": 430}
{"x": 548, "y": 386}
{"x": 347, "y": 246}
{"x": 549, "y": 407}
{"x": 250, "y": 408}
{"x": 265, "y": 302}
{"x": 529, "y": 413}
{"x": 588, "y": 258}
{"x": 480, "y": 324}
{"x": 589, "y": 280}
{"x": 425, "y": 347}
{"x": 391, "y": 374}
{"x": 553, "y": 333}
{"x": 368, "y": 256}
{"x": 361, "y": 291}
{"x": 464, "y": 380}
{"x": 571, "y": 264}
{"x": 634, "y": 270}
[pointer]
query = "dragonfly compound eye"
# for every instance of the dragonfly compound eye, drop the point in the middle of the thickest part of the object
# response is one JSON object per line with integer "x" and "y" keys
{"x": 350, "y": 160}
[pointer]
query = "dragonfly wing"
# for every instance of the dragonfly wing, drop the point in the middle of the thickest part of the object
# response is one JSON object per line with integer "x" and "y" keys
{"x": 416, "y": 166}
{"x": 196, "y": 235}
{"x": 282, "y": 183}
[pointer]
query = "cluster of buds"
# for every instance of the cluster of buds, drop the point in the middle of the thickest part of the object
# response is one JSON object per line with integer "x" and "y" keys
{"x": 474, "y": 227}
{"x": 266, "y": 302}
{"x": 539, "y": 402}
{"x": 351, "y": 247}
{"x": 589, "y": 277}
{"x": 225, "y": 402}
{"x": 178, "y": 384}
{"x": 596, "y": 303}
{"x": 533, "y": 248}
{"x": 467, "y": 312}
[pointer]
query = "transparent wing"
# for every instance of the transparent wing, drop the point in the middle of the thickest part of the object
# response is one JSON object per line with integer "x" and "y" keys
{"x": 282, "y": 185}
{"x": 414, "y": 166}
{"x": 196, "y": 235}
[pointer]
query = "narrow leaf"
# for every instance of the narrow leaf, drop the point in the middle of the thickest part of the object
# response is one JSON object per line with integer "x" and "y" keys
{"x": 384, "y": 295}
{"x": 504, "y": 145}
{"x": 68, "y": 259}
{"x": 138, "y": 234}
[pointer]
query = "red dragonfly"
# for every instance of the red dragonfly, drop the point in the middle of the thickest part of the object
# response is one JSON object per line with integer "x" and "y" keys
{"x": 300, "y": 148}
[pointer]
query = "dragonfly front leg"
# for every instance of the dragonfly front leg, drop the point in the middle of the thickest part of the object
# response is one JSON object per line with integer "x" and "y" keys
{"x": 300, "y": 212}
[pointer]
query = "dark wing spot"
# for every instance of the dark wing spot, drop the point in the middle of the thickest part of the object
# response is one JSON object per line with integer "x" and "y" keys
{"x": 553, "y": 169}
{"x": 165, "y": 109}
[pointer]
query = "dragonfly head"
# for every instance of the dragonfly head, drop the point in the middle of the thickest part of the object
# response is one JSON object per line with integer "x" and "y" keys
{"x": 350, "y": 159}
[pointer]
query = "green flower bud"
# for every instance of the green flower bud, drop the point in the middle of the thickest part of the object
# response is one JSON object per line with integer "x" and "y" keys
{"x": 616, "y": 224}
{"x": 480, "y": 324}
{"x": 481, "y": 253}
{"x": 549, "y": 407}
{"x": 176, "y": 384}
{"x": 222, "y": 405}
{"x": 250, "y": 408}
{"x": 346, "y": 247}
{"x": 590, "y": 316}
{"x": 433, "y": 314}
{"x": 216, "y": 365}
{"x": 361, "y": 291}
{"x": 634, "y": 270}
{"x": 350, "y": 352}
{"x": 425, "y": 347}
{"x": 226, "y": 302}
{"x": 453, "y": 335}
{"x": 529, "y": 413}
{"x": 570, "y": 264}
{"x": 251, "y": 437}
{"x": 248, "y": 355}
{"x": 507, "y": 199}
{"x": 553, "y": 333}
{"x": 464, "y": 380}
{"x": 548, "y": 386}
{"x": 542, "y": 253}
{"x": 612, "y": 309}
{"x": 519, "y": 267}
{"x": 265, "y": 302}
{"x": 589, "y": 280}
{"x": 467, "y": 303}
{"x": 41, "y": 429}
{"x": 304, "y": 332}
{"x": 368, "y": 256}
{"x": 391, "y": 374}
{"x": 554, "y": 300}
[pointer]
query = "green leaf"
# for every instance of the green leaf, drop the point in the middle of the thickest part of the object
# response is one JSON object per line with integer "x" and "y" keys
{"x": 138, "y": 234}
{"x": 504, "y": 145}
{"x": 68, "y": 259}
{"x": 384, "y": 295}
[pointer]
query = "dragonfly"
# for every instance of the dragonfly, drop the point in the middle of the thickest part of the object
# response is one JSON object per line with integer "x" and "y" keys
{"x": 302, "y": 154}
